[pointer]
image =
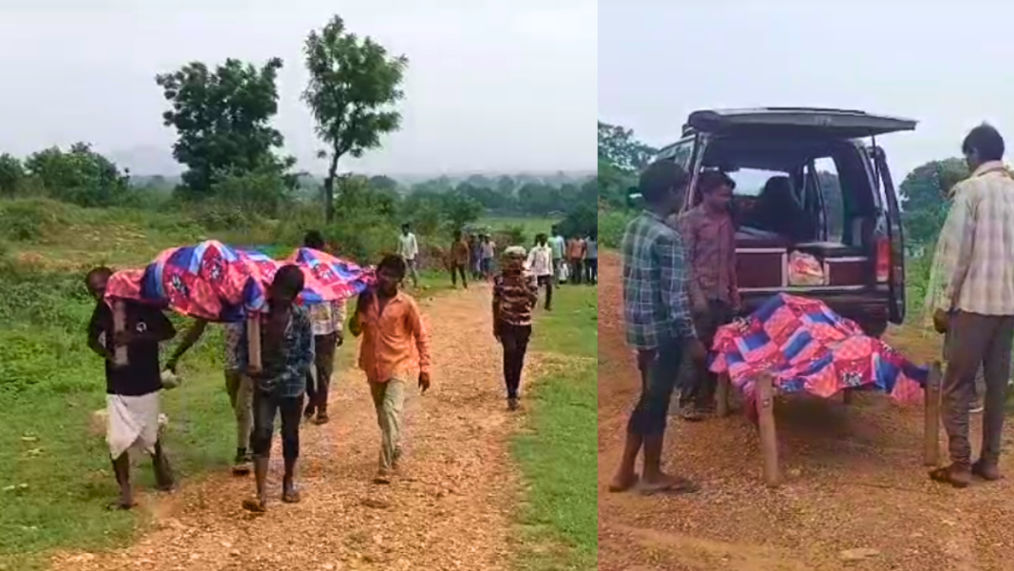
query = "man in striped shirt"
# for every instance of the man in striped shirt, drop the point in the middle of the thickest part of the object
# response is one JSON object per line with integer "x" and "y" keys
{"x": 514, "y": 296}
{"x": 656, "y": 309}
{"x": 976, "y": 304}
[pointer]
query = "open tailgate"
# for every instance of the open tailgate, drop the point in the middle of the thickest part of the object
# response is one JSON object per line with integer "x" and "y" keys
{"x": 797, "y": 121}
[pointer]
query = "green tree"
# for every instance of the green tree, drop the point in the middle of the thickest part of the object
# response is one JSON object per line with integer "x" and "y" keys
{"x": 353, "y": 84}
{"x": 11, "y": 174}
{"x": 384, "y": 183}
{"x": 923, "y": 197}
{"x": 79, "y": 175}
{"x": 618, "y": 147}
{"x": 222, "y": 119}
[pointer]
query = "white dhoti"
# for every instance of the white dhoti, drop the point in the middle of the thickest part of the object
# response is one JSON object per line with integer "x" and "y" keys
{"x": 133, "y": 423}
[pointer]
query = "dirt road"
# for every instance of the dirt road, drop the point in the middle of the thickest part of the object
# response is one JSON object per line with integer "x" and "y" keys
{"x": 854, "y": 480}
{"x": 452, "y": 509}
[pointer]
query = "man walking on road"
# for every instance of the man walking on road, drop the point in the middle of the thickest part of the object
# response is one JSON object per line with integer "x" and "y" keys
{"x": 575, "y": 257}
{"x": 558, "y": 244}
{"x": 279, "y": 384}
{"x": 976, "y": 304}
{"x": 591, "y": 258}
{"x": 327, "y": 320}
{"x": 540, "y": 263}
{"x": 408, "y": 249}
{"x": 656, "y": 309}
{"x": 132, "y": 389}
{"x": 393, "y": 335}
{"x": 514, "y": 296}
{"x": 460, "y": 255}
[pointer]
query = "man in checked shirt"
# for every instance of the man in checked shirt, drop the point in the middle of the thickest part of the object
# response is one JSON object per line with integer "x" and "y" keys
{"x": 659, "y": 325}
{"x": 975, "y": 306}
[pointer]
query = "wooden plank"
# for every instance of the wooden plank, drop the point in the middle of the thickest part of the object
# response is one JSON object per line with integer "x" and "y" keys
{"x": 253, "y": 334}
{"x": 722, "y": 396}
{"x": 846, "y": 396}
{"x": 766, "y": 422}
{"x": 119, "y": 324}
{"x": 931, "y": 416}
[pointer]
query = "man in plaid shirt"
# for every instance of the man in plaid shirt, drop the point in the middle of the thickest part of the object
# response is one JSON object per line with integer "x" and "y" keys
{"x": 656, "y": 309}
{"x": 975, "y": 305}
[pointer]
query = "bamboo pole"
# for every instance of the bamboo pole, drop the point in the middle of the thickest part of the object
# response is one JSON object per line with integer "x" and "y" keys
{"x": 931, "y": 416}
{"x": 722, "y": 395}
{"x": 119, "y": 324}
{"x": 253, "y": 334}
{"x": 766, "y": 422}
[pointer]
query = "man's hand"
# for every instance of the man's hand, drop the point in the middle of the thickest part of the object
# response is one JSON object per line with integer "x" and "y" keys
{"x": 698, "y": 352}
{"x": 254, "y": 372}
{"x": 339, "y": 340}
{"x": 699, "y": 305}
{"x": 424, "y": 382}
{"x": 941, "y": 320}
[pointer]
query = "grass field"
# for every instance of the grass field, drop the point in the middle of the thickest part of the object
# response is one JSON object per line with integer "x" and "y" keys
{"x": 557, "y": 452}
{"x": 530, "y": 226}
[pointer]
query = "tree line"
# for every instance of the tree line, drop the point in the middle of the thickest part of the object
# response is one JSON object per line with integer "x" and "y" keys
{"x": 222, "y": 116}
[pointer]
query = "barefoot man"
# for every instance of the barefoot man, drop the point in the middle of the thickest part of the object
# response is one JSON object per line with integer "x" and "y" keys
{"x": 393, "y": 338}
{"x": 976, "y": 305}
{"x": 660, "y": 328}
{"x": 286, "y": 357}
{"x": 132, "y": 390}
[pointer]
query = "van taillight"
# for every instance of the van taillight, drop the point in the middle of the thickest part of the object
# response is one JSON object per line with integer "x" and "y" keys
{"x": 883, "y": 259}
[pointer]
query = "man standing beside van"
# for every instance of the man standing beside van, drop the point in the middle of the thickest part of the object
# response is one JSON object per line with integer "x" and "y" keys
{"x": 656, "y": 311}
{"x": 976, "y": 304}
{"x": 710, "y": 238}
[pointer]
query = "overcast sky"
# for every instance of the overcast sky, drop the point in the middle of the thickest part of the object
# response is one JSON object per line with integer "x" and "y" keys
{"x": 491, "y": 85}
{"x": 947, "y": 64}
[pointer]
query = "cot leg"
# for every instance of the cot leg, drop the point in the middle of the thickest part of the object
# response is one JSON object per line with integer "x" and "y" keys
{"x": 931, "y": 416}
{"x": 722, "y": 395}
{"x": 766, "y": 422}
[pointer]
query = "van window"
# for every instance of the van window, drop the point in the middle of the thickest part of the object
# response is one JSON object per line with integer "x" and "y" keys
{"x": 830, "y": 188}
{"x": 750, "y": 182}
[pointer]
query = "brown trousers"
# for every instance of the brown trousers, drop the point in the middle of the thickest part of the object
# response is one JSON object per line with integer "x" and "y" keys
{"x": 978, "y": 340}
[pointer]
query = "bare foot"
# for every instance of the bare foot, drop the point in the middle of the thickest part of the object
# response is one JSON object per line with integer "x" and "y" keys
{"x": 255, "y": 505}
{"x": 623, "y": 482}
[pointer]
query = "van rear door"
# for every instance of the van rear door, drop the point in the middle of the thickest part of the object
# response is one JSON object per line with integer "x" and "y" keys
{"x": 894, "y": 250}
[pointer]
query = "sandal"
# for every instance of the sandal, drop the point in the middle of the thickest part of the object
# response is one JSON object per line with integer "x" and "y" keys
{"x": 671, "y": 485}
{"x": 954, "y": 475}
{"x": 254, "y": 505}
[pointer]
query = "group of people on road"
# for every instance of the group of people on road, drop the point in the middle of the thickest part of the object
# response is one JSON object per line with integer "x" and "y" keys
{"x": 297, "y": 346}
{"x": 679, "y": 286}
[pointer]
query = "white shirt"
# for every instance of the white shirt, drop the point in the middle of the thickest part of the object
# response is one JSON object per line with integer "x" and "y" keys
{"x": 540, "y": 261}
{"x": 408, "y": 248}
{"x": 976, "y": 250}
{"x": 327, "y": 317}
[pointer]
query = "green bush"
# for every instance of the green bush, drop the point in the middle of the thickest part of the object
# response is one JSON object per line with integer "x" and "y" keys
{"x": 611, "y": 226}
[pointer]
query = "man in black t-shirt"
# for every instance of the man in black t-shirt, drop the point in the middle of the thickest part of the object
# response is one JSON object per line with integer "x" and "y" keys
{"x": 132, "y": 390}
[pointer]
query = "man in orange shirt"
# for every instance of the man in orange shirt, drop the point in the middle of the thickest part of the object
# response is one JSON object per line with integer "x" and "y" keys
{"x": 395, "y": 343}
{"x": 575, "y": 255}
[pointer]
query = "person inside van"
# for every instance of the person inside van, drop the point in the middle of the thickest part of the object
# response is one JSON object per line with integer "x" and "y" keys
{"x": 779, "y": 212}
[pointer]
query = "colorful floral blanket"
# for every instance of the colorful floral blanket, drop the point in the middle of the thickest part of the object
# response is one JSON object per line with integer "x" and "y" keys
{"x": 217, "y": 282}
{"x": 807, "y": 347}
